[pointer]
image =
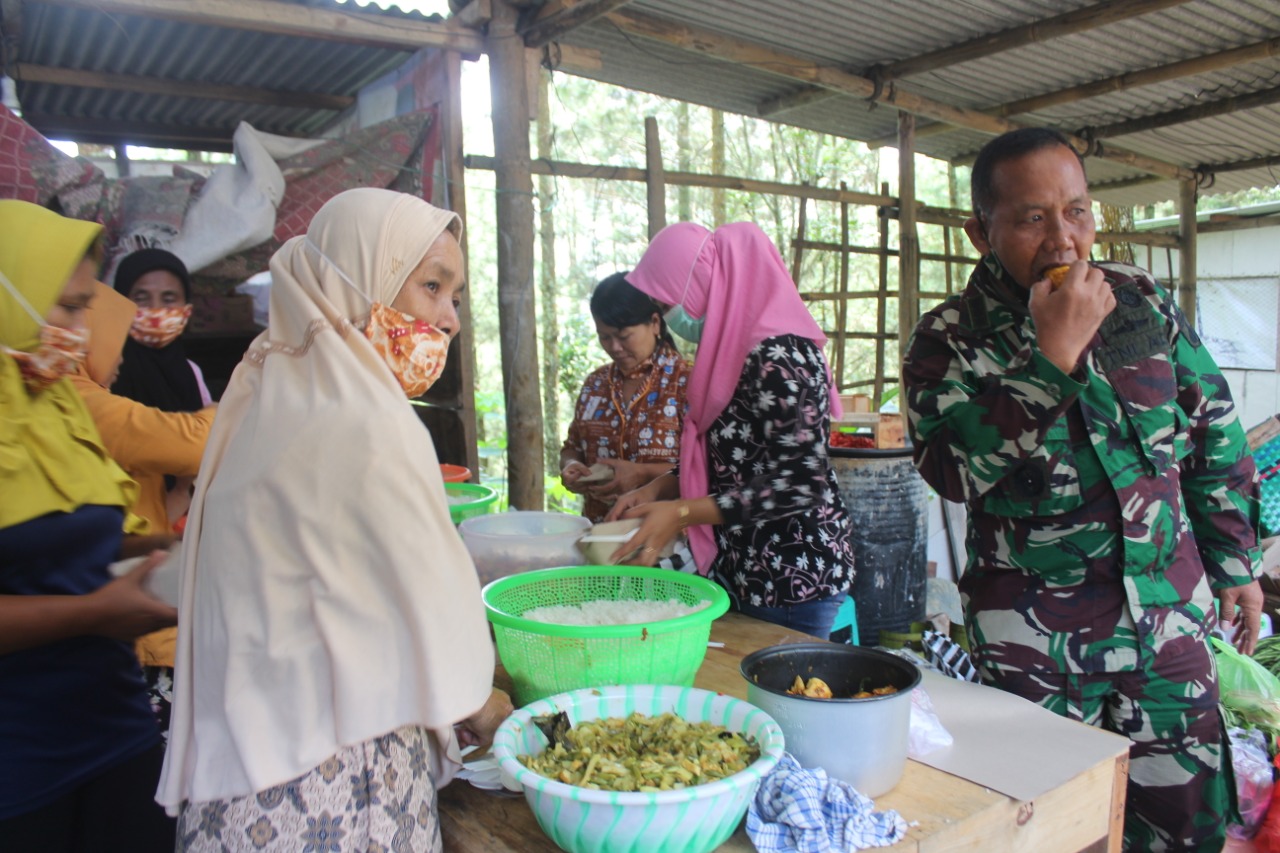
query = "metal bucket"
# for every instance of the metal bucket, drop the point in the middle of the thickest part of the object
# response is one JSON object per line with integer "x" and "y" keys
{"x": 859, "y": 741}
{"x": 888, "y": 505}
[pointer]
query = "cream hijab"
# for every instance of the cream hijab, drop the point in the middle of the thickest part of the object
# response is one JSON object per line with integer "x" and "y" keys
{"x": 326, "y": 598}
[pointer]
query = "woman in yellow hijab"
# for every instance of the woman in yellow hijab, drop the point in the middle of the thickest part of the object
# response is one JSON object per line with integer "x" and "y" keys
{"x": 80, "y": 745}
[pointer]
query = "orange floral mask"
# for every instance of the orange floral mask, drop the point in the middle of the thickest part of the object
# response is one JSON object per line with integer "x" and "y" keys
{"x": 159, "y": 327}
{"x": 414, "y": 350}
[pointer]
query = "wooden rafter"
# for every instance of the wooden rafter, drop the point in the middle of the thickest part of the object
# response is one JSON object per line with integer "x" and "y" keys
{"x": 270, "y": 16}
{"x": 797, "y": 68}
{"x": 1119, "y": 83}
{"x": 983, "y": 46}
{"x": 160, "y": 86}
{"x": 1222, "y": 106}
{"x": 556, "y": 18}
{"x": 111, "y": 132}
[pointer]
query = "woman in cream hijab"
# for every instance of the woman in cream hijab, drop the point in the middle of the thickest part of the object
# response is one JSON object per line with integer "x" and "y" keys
{"x": 331, "y": 632}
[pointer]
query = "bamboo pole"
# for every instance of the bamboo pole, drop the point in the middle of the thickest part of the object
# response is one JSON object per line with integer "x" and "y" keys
{"x": 655, "y": 182}
{"x": 908, "y": 240}
{"x": 548, "y": 281}
{"x": 517, "y": 319}
{"x": 1187, "y": 251}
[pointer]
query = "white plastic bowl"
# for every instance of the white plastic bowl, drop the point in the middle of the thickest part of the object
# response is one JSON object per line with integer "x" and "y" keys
{"x": 690, "y": 820}
{"x": 506, "y": 543}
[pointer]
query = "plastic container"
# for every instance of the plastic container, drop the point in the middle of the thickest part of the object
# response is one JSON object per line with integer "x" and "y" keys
{"x": 860, "y": 741}
{"x": 467, "y": 500}
{"x": 507, "y": 543}
{"x": 543, "y": 658}
{"x": 689, "y": 820}
{"x": 888, "y": 506}
{"x": 455, "y": 473}
{"x": 603, "y": 539}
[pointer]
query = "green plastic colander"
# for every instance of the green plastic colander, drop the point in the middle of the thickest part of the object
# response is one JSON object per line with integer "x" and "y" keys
{"x": 544, "y": 659}
{"x": 467, "y": 500}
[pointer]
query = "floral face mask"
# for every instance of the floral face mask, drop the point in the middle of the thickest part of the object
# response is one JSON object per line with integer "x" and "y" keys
{"x": 414, "y": 350}
{"x": 58, "y": 354}
{"x": 159, "y": 327}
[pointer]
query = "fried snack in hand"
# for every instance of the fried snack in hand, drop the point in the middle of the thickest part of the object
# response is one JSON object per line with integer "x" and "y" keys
{"x": 1056, "y": 276}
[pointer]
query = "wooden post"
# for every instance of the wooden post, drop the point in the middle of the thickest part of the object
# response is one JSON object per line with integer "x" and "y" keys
{"x": 455, "y": 174}
{"x": 908, "y": 241}
{"x": 842, "y": 309}
{"x": 517, "y": 319}
{"x": 655, "y": 179}
{"x": 882, "y": 301}
{"x": 798, "y": 252}
{"x": 1187, "y": 251}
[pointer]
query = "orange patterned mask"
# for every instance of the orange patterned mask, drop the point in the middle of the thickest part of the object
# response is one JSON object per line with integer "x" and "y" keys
{"x": 159, "y": 327}
{"x": 59, "y": 353}
{"x": 415, "y": 351}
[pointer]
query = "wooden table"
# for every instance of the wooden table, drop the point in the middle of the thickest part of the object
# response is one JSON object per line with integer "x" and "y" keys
{"x": 944, "y": 812}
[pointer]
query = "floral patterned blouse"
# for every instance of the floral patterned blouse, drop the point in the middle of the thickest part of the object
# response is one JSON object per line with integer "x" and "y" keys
{"x": 786, "y": 536}
{"x": 645, "y": 428}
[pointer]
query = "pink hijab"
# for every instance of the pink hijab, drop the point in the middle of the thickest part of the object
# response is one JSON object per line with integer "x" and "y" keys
{"x": 736, "y": 280}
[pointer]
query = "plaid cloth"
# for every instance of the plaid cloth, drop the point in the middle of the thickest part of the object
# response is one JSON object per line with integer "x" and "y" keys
{"x": 804, "y": 811}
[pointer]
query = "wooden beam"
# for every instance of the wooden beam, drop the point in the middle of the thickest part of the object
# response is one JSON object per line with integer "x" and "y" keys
{"x": 1266, "y": 162}
{"x": 690, "y": 179}
{"x": 151, "y": 134}
{"x": 1256, "y": 52}
{"x": 1075, "y": 21}
{"x": 797, "y": 68}
{"x": 654, "y": 179}
{"x": 290, "y": 19}
{"x": 1187, "y": 251}
{"x": 179, "y": 89}
{"x": 555, "y": 19}
{"x": 794, "y": 100}
{"x": 517, "y": 317}
{"x": 1222, "y": 106}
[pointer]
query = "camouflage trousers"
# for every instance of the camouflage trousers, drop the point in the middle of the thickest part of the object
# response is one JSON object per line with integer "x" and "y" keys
{"x": 1178, "y": 794}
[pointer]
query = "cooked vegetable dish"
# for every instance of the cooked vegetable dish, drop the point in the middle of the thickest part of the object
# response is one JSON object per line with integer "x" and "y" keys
{"x": 641, "y": 753}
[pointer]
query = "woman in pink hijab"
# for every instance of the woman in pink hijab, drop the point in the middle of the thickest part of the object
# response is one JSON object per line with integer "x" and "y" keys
{"x": 754, "y": 487}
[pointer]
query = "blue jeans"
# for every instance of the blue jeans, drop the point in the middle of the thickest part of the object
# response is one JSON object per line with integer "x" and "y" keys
{"x": 810, "y": 617}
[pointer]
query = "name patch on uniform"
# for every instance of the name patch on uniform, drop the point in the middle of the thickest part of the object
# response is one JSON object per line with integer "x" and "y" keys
{"x": 1134, "y": 330}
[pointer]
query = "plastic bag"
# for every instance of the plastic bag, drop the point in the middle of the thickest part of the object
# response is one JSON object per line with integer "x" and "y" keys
{"x": 1246, "y": 688}
{"x": 927, "y": 732}
{"x": 1254, "y": 781}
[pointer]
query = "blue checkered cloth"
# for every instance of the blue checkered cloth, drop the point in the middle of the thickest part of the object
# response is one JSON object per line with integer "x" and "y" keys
{"x": 804, "y": 811}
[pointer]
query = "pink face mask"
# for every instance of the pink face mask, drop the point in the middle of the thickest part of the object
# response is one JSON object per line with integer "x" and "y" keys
{"x": 415, "y": 351}
{"x": 159, "y": 327}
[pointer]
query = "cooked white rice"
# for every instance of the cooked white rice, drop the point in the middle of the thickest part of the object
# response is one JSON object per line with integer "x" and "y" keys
{"x": 609, "y": 612}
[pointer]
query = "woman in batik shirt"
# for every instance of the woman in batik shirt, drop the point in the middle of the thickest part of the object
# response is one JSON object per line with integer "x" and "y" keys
{"x": 630, "y": 412}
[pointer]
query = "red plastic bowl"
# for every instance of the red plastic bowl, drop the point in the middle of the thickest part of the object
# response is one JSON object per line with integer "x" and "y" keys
{"x": 455, "y": 473}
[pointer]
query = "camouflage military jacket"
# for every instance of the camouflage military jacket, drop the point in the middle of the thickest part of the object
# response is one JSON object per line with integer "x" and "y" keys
{"x": 1103, "y": 505}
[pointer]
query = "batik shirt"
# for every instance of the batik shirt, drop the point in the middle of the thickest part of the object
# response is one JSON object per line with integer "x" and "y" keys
{"x": 1103, "y": 505}
{"x": 785, "y": 536}
{"x": 645, "y": 428}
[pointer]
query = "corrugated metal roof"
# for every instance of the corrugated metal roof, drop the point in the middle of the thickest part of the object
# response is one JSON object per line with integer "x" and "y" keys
{"x": 854, "y": 35}
{"x": 858, "y": 34}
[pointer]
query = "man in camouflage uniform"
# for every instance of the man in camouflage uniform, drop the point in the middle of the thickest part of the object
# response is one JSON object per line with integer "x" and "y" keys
{"x": 1110, "y": 490}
